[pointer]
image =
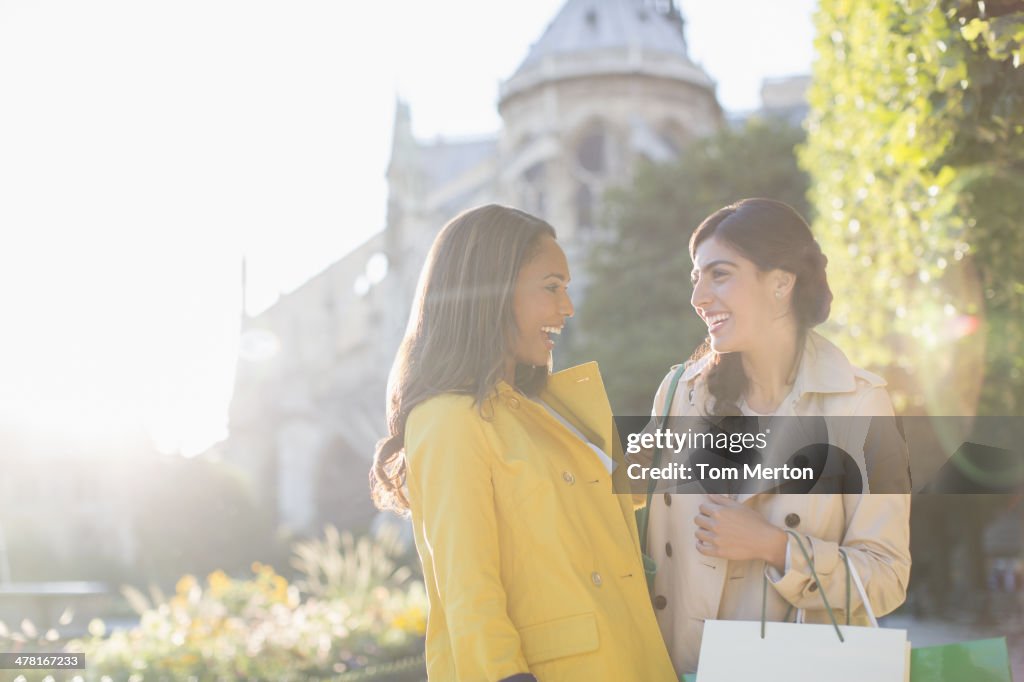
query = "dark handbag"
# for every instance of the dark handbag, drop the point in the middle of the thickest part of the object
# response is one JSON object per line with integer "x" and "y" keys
{"x": 643, "y": 515}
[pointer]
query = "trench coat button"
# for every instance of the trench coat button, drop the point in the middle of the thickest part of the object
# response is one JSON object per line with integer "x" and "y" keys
{"x": 568, "y": 477}
{"x": 513, "y": 403}
{"x": 660, "y": 602}
{"x": 668, "y": 549}
{"x": 595, "y": 577}
{"x": 813, "y": 587}
{"x": 792, "y": 520}
{"x": 668, "y": 500}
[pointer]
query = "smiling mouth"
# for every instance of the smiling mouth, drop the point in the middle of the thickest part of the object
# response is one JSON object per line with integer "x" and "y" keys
{"x": 550, "y": 333}
{"x": 717, "y": 321}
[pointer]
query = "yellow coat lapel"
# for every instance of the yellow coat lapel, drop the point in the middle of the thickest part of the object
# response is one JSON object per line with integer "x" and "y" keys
{"x": 578, "y": 395}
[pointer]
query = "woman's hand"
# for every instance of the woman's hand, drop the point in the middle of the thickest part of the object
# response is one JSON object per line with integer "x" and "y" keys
{"x": 728, "y": 529}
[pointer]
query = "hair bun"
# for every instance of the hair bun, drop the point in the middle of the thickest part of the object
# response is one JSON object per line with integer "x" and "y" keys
{"x": 814, "y": 293}
{"x": 814, "y": 256}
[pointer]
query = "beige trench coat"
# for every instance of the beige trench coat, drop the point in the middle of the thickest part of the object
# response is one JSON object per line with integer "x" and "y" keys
{"x": 872, "y": 528}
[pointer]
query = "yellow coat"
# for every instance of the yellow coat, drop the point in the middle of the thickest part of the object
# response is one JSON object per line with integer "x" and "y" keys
{"x": 532, "y": 563}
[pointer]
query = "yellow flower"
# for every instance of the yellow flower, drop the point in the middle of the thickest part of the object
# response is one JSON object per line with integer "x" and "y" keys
{"x": 188, "y": 659}
{"x": 280, "y": 593}
{"x": 185, "y": 584}
{"x": 219, "y": 583}
{"x": 413, "y": 620}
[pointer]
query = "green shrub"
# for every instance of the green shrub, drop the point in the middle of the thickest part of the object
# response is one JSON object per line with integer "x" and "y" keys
{"x": 364, "y": 621}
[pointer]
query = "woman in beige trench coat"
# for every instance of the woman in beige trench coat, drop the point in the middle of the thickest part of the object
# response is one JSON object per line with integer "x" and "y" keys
{"x": 760, "y": 286}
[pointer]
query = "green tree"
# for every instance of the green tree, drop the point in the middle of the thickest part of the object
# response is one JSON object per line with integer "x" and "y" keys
{"x": 636, "y": 319}
{"x": 916, "y": 153}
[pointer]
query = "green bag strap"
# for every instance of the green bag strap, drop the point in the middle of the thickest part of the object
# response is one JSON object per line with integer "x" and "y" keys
{"x": 846, "y": 560}
{"x": 657, "y": 455}
{"x": 849, "y": 589}
{"x": 817, "y": 581}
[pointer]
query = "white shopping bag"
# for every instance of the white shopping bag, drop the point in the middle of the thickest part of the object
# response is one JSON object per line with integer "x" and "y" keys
{"x": 733, "y": 651}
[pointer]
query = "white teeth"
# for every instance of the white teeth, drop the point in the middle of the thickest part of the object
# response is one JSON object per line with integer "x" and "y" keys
{"x": 552, "y": 330}
{"x": 715, "y": 319}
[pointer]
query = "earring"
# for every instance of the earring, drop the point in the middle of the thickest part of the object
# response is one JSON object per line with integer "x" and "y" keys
{"x": 778, "y": 294}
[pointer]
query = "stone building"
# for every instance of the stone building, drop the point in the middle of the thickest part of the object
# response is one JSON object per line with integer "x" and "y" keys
{"x": 606, "y": 84}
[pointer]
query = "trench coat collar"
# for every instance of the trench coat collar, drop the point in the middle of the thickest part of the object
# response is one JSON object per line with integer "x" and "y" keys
{"x": 823, "y": 368}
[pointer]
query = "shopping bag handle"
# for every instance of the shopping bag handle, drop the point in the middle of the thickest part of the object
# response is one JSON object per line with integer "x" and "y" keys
{"x": 851, "y": 572}
{"x": 817, "y": 581}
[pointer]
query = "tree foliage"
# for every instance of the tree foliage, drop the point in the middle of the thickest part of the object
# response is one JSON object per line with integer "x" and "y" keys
{"x": 916, "y": 153}
{"x": 636, "y": 317}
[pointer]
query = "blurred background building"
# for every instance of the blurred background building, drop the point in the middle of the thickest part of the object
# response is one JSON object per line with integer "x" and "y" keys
{"x": 606, "y": 84}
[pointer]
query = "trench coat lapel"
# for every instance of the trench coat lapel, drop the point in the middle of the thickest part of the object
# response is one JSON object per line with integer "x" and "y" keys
{"x": 823, "y": 369}
{"x": 785, "y": 410}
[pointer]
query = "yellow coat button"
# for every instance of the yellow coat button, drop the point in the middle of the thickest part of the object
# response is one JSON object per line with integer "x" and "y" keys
{"x": 596, "y": 578}
{"x": 568, "y": 477}
{"x": 513, "y": 403}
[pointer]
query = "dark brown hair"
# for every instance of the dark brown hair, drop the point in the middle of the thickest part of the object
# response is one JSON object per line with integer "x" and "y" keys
{"x": 460, "y": 329}
{"x": 772, "y": 235}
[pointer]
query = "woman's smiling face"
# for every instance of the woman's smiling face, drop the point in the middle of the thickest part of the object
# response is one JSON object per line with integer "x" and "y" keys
{"x": 734, "y": 298}
{"x": 540, "y": 303}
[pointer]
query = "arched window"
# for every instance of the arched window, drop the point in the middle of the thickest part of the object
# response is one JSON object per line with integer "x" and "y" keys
{"x": 592, "y": 152}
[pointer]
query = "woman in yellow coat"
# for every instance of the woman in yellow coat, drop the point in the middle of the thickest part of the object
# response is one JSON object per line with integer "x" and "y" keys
{"x": 531, "y": 562}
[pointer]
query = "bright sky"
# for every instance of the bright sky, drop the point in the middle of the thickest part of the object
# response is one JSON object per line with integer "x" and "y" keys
{"x": 146, "y": 146}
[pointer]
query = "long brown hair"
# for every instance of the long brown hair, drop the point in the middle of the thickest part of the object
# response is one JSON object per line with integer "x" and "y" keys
{"x": 772, "y": 235}
{"x": 460, "y": 329}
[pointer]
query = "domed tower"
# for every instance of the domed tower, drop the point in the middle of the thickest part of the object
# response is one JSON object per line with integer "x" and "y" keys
{"x": 608, "y": 82}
